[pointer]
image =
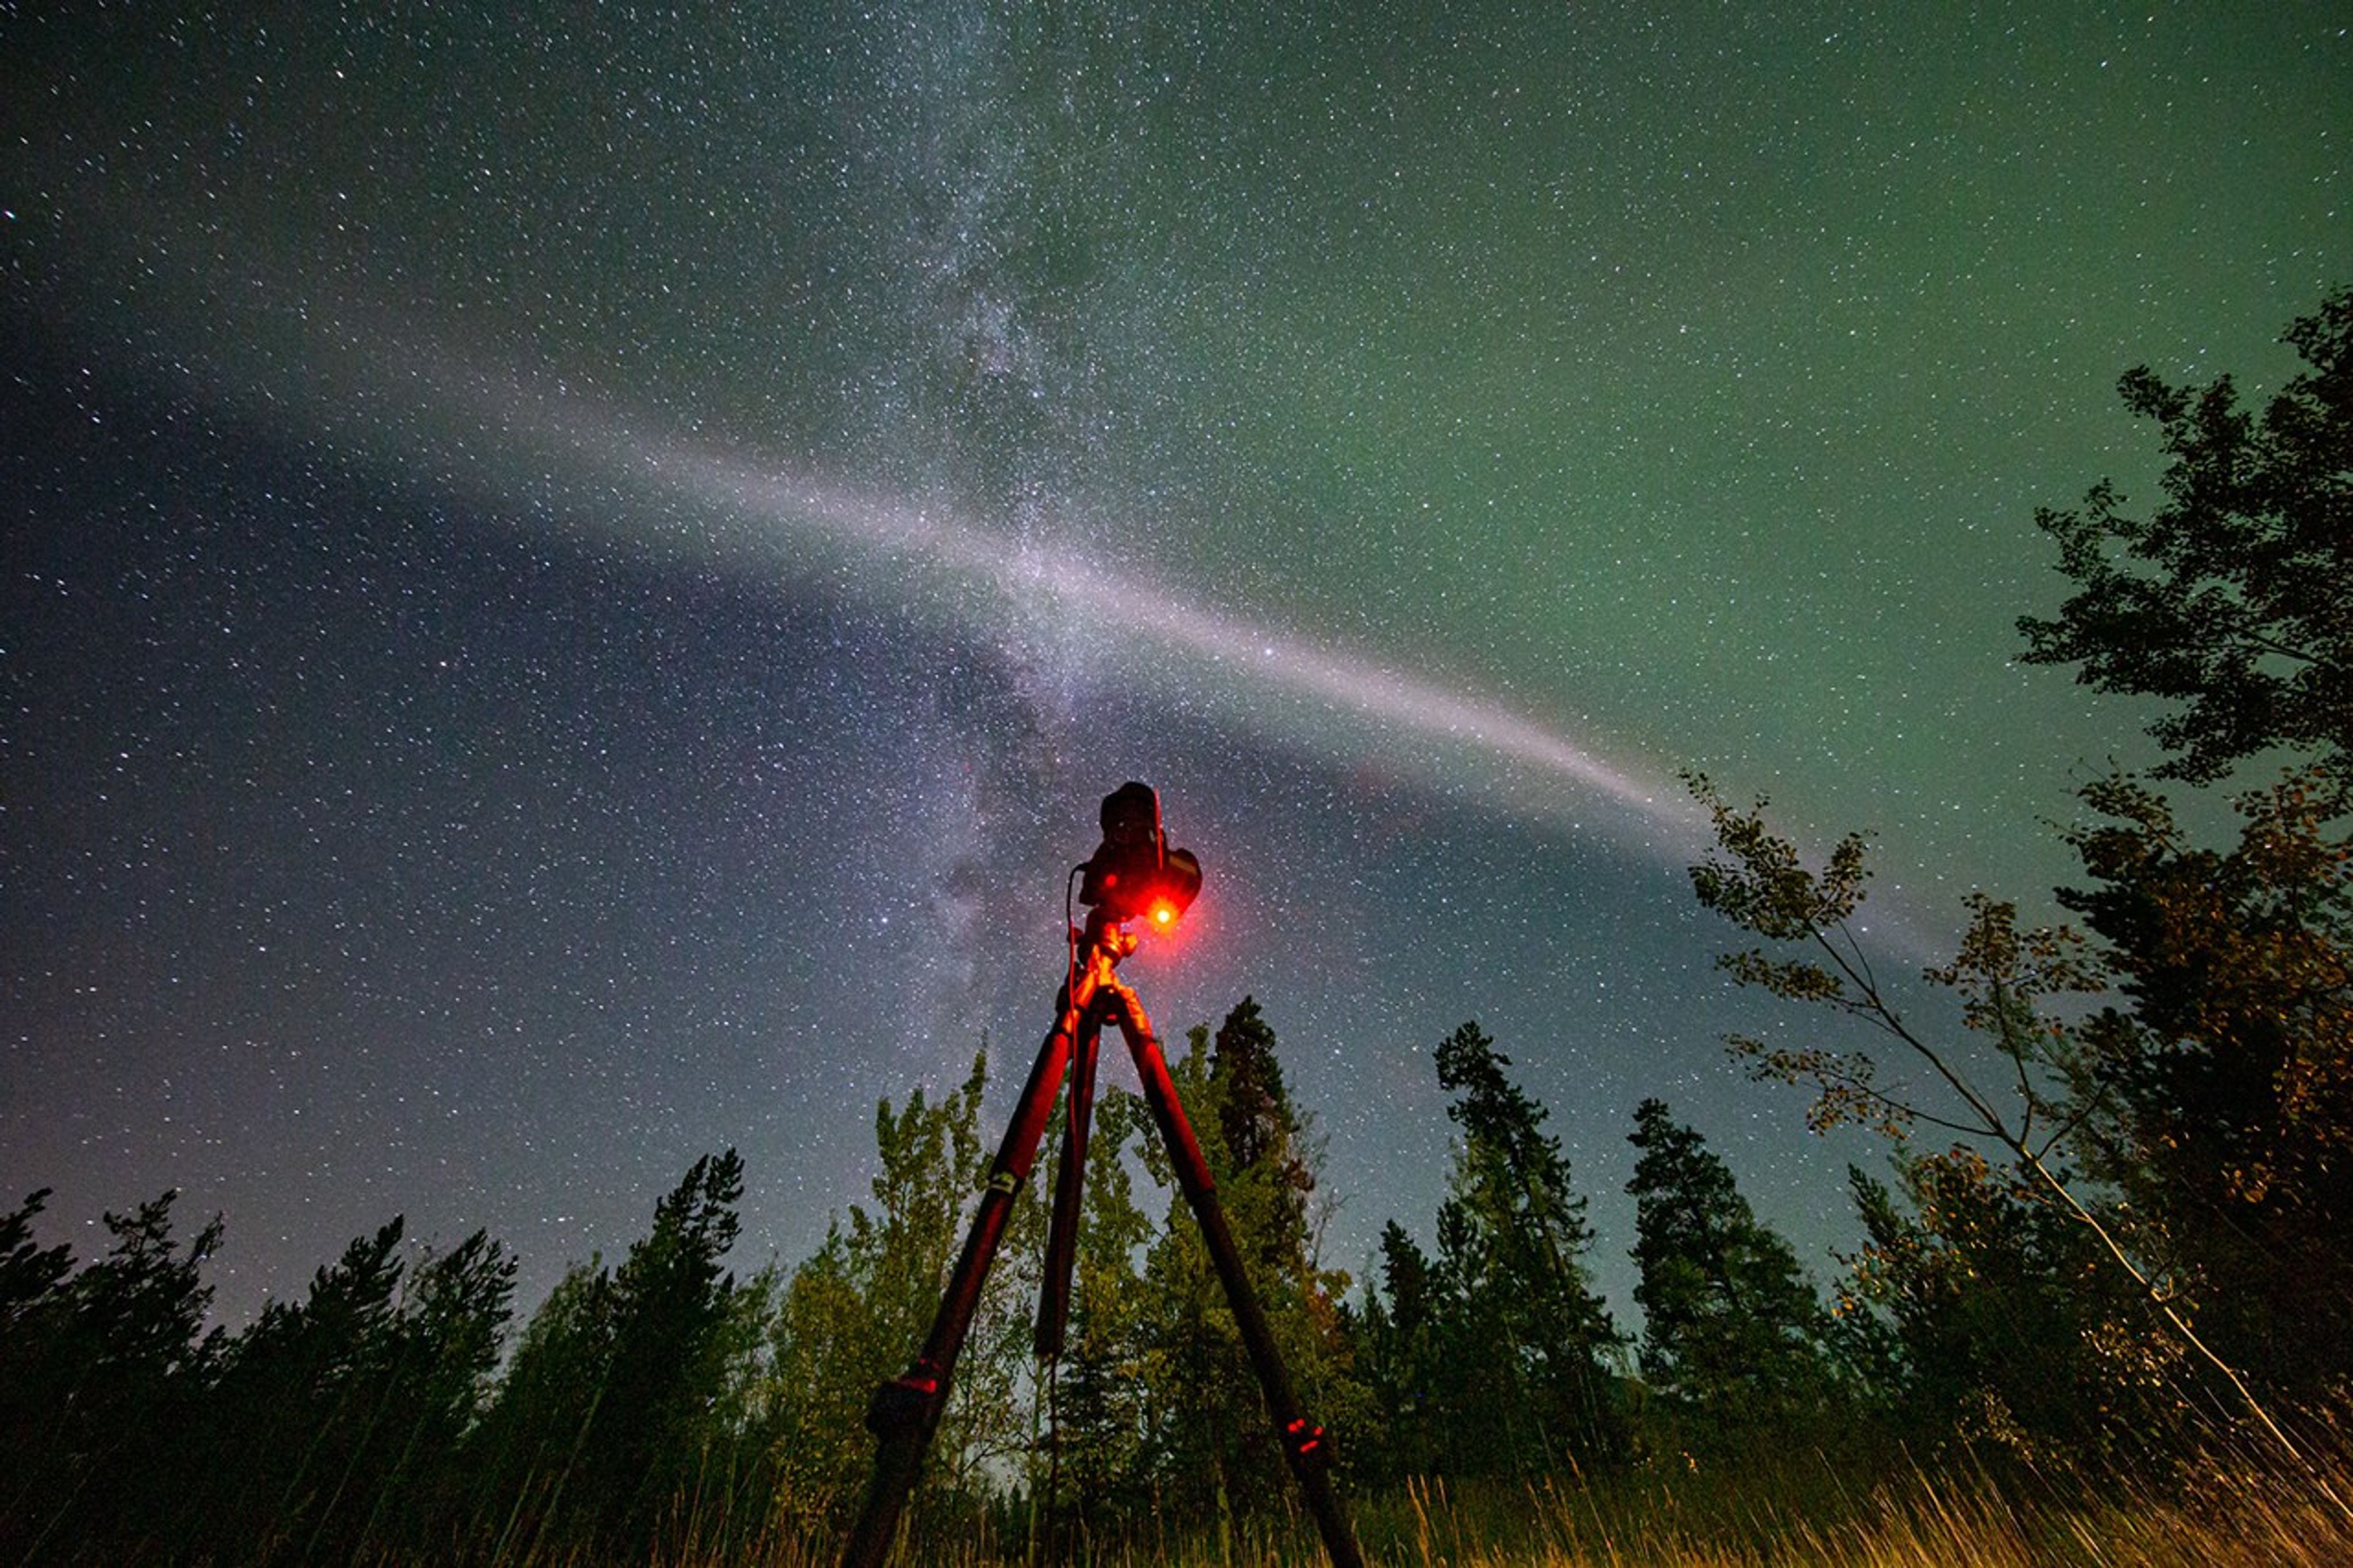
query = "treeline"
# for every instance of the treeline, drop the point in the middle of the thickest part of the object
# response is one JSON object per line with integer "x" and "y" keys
{"x": 2117, "y": 1216}
{"x": 664, "y": 1405}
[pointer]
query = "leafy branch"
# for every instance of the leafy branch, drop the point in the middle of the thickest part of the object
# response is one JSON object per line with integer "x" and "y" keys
{"x": 1756, "y": 878}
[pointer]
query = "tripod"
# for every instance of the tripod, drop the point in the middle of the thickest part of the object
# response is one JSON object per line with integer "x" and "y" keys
{"x": 905, "y": 1412}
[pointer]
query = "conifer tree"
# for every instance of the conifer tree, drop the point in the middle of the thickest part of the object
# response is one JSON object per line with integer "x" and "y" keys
{"x": 1100, "y": 1407}
{"x": 1211, "y": 1451}
{"x": 1528, "y": 1343}
{"x": 1398, "y": 1329}
{"x": 1734, "y": 1337}
{"x": 597, "y": 1424}
{"x": 108, "y": 1363}
{"x": 333, "y": 1416}
{"x": 669, "y": 1303}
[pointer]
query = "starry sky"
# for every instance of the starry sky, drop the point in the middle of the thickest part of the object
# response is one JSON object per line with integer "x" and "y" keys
{"x": 574, "y": 575}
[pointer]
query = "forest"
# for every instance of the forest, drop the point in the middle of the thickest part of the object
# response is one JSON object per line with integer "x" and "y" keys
{"x": 2099, "y": 1306}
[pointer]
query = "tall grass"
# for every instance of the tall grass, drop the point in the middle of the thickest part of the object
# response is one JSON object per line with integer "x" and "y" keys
{"x": 2229, "y": 1505}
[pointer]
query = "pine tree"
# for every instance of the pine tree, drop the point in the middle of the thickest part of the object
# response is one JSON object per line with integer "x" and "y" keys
{"x": 1212, "y": 1452}
{"x": 1528, "y": 1341}
{"x": 599, "y": 1422}
{"x": 670, "y": 1302}
{"x": 294, "y": 1409}
{"x": 108, "y": 1365}
{"x": 33, "y": 1326}
{"x": 332, "y": 1417}
{"x": 1734, "y": 1337}
{"x": 1397, "y": 1330}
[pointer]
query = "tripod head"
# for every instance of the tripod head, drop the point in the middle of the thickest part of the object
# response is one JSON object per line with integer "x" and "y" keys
{"x": 1134, "y": 873}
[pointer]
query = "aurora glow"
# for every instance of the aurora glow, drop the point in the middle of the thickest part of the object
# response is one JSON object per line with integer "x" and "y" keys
{"x": 576, "y": 575}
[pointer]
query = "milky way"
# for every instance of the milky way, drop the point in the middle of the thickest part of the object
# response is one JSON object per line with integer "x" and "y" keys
{"x": 573, "y": 581}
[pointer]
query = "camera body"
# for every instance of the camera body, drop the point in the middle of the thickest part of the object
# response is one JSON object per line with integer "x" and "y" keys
{"x": 1134, "y": 873}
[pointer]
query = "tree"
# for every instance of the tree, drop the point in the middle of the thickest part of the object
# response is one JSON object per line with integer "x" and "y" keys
{"x": 2220, "y": 1101}
{"x": 333, "y": 1418}
{"x": 2003, "y": 1320}
{"x": 1210, "y": 1451}
{"x": 600, "y": 1421}
{"x": 670, "y": 1302}
{"x": 2220, "y": 1097}
{"x": 451, "y": 1326}
{"x": 524, "y": 1453}
{"x": 1528, "y": 1341}
{"x": 1101, "y": 1411}
{"x": 2215, "y": 1097}
{"x": 29, "y": 1272}
{"x": 2005, "y": 979}
{"x": 2230, "y": 598}
{"x": 31, "y": 1279}
{"x": 105, "y": 1365}
{"x": 1401, "y": 1328}
{"x": 1734, "y": 1337}
{"x": 1262, "y": 1132}
{"x": 824, "y": 1362}
{"x": 294, "y": 1409}
{"x": 853, "y": 1313}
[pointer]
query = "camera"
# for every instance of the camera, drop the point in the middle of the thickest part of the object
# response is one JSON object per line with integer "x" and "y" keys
{"x": 1134, "y": 873}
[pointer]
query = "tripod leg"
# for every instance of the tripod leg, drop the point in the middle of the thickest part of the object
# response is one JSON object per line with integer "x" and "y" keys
{"x": 905, "y": 1412}
{"x": 1061, "y": 1236}
{"x": 1302, "y": 1442}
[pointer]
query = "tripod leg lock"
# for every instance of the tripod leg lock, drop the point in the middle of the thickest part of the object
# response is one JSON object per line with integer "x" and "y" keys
{"x": 904, "y": 1405}
{"x": 1304, "y": 1443}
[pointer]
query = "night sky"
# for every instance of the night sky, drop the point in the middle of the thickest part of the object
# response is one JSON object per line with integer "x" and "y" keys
{"x": 573, "y": 576}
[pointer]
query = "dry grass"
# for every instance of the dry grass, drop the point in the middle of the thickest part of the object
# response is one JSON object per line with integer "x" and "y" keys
{"x": 2226, "y": 1509}
{"x": 2229, "y": 1507}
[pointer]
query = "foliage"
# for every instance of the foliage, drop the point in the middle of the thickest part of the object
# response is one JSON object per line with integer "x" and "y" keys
{"x": 854, "y": 1313}
{"x": 2229, "y": 599}
{"x": 1735, "y": 1343}
{"x": 102, "y": 1365}
{"x": 2221, "y": 1099}
{"x": 382, "y": 1372}
{"x": 2006, "y": 980}
{"x": 597, "y": 1424}
{"x": 1101, "y": 1404}
{"x": 1209, "y": 1451}
{"x": 2187, "y": 1142}
{"x": 2006, "y": 1326}
{"x": 1512, "y": 1236}
{"x": 1496, "y": 1356}
{"x": 1400, "y": 1327}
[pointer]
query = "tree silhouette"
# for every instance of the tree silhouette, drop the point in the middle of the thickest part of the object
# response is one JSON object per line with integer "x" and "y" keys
{"x": 2229, "y": 598}
{"x": 1210, "y": 1451}
{"x": 1527, "y": 1337}
{"x": 1733, "y": 1338}
{"x": 599, "y": 1422}
{"x": 2220, "y": 1101}
{"x": 105, "y": 1366}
